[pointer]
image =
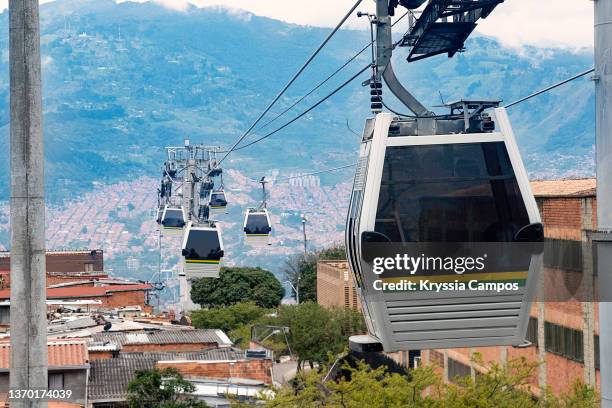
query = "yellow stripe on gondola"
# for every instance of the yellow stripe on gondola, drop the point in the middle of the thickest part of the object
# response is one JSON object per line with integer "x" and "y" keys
{"x": 174, "y": 228}
{"x": 488, "y": 276}
{"x": 202, "y": 261}
{"x": 218, "y": 206}
{"x": 258, "y": 235}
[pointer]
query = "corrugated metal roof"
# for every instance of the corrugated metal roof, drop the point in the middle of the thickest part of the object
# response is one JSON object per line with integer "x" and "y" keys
{"x": 216, "y": 354}
{"x": 166, "y": 337}
{"x": 564, "y": 188}
{"x": 61, "y": 354}
{"x": 109, "y": 378}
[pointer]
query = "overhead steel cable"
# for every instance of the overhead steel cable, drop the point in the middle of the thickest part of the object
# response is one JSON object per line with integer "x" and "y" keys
{"x": 282, "y": 179}
{"x": 293, "y": 79}
{"x": 558, "y": 84}
{"x": 335, "y": 91}
{"x": 320, "y": 84}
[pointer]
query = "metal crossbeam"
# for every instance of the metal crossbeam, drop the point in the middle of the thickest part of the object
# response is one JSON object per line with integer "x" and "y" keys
{"x": 444, "y": 26}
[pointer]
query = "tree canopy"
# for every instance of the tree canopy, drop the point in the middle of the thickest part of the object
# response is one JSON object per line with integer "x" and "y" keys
{"x": 227, "y": 318}
{"x": 364, "y": 387}
{"x": 315, "y": 331}
{"x": 304, "y": 266}
{"x": 161, "y": 389}
{"x": 238, "y": 285}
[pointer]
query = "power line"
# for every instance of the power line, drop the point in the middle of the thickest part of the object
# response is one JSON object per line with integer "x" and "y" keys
{"x": 550, "y": 88}
{"x": 280, "y": 180}
{"x": 305, "y": 112}
{"x": 315, "y": 88}
{"x": 333, "y": 74}
{"x": 292, "y": 80}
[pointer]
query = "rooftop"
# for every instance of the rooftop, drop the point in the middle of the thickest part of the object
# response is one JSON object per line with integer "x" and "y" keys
{"x": 4, "y": 254}
{"x": 110, "y": 377}
{"x": 564, "y": 188}
{"x": 61, "y": 354}
{"x": 165, "y": 337}
{"x": 84, "y": 292}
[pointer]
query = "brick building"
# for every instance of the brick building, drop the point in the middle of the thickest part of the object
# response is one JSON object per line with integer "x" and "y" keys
{"x": 62, "y": 266}
{"x": 335, "y": 285}
{"x": 66, "y": 261}
{"x": 216, "y": 374}
{"x": 563, "y": 334}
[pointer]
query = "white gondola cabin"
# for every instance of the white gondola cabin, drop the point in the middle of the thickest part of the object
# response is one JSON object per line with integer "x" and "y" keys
{"x": 202, "y": 250}
{"x": 445, "y": 190}
{"x": 218, "y": 202}
{"x": 257, "y": 227}
{"x": 173, "y": 220}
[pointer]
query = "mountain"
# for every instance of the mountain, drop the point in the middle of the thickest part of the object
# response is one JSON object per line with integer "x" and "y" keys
{"x": 123, "y": 80}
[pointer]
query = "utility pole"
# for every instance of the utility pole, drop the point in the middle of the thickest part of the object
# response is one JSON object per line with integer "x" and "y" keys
{"x": 296, "y": 289}
{"x": 603, "y": 138}
{"x": 28, "y": 360}
{"x": 304, "y": 230}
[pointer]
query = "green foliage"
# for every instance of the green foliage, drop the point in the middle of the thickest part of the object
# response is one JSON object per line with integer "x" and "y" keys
{"x": 161, "y": 389}
{"x": 364, "y": 387}
{"x": 238, "y": 285}
{"x": 315, "y": 331}
{"x": 227, "y": 318}
{"x": 304, "y": 266}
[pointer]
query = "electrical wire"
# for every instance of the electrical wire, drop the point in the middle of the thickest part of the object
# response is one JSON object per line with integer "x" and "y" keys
{"x": 292, "y": 80}
{"x": 550, "y": 88}
{"x": 283, "y": 179}
{"x": 333, "y": 74}
{"x": 305, "y": 112}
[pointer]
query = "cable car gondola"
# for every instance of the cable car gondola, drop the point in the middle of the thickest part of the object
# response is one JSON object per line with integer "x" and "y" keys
{"x": 202, "y": 250}
{"x": 466, "y": 187}
{"x": 257, "y": 227}
{"x": 160, "y": 214}
{"x": 173, "y": 220}
{"x": 218, "y": 202}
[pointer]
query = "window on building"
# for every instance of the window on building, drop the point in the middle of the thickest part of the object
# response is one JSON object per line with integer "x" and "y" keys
{"x": 56, "y": 381}
{"x": 563, "y": 254}
{"x": 596, "y": 346}
{"x": 564, "y": 341}
{"x": 532, "y": 331}
{"x": 346, "y": 297}
{"x": 89, "y": 267}
{"x": 457, "y": 369}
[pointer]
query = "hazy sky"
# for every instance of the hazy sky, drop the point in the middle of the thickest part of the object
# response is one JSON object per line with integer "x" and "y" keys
{"x": 564, "y": 23}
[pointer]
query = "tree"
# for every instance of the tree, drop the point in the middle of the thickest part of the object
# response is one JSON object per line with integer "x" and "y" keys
{"x": 315, "y": 331}
{"x": 161, "y": 389}
{"x": 227, "y": 318}
{"x": 498, "y": 387}
{"x": 238, "y": 285}
{"x": 304, "y": 266}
